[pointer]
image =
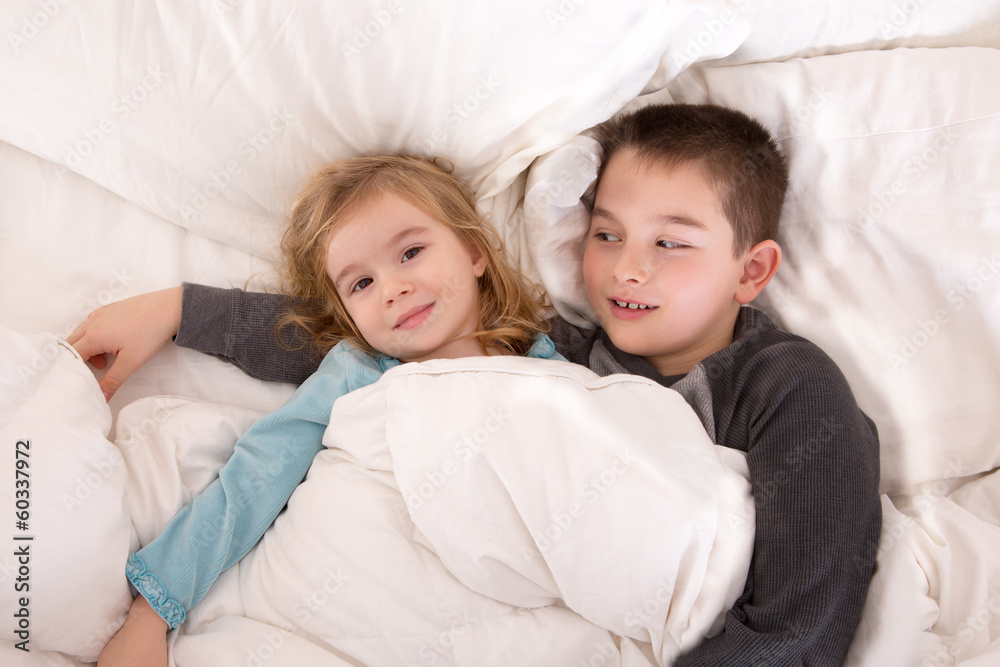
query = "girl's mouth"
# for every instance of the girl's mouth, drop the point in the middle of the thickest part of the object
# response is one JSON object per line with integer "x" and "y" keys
{"x": 414, "y": 317}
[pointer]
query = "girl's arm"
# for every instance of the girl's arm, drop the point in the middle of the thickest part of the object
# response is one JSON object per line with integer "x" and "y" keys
{"x": 222, "y": 523}
{"x": 141, "y": 641}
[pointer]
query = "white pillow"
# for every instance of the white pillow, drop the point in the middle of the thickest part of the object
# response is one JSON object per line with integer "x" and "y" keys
{"x": 211, "y": 119}
{"x": 783, "y": 29}
{"x": 889, "y": 232}
{"x": 63, "y": 568}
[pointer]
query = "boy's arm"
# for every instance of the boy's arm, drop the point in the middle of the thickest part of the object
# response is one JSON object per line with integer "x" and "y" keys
{"x": 222, "y": 523}
{"x": 240, "y": 327}
{"x": 814, "y": 468}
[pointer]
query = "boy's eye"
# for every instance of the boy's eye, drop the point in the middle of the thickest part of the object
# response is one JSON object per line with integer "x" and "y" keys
{"x": 663, "y": 243}
{"x": 606, "y": 236}
{"x": 410, "y": 253}
{"x": 361, "y": 284}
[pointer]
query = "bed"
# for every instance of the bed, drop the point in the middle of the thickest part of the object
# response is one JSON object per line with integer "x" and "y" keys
{"x": 142, "y": 145}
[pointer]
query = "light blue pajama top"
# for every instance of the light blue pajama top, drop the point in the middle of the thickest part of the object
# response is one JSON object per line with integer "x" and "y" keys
{"x": 221, "y": 524}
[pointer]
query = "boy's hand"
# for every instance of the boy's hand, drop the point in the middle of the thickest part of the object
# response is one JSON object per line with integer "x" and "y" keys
{"x": 133, "y": 330}
{"x": 141, "y": 641}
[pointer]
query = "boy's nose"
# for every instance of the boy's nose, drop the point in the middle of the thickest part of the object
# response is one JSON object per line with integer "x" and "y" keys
{"x": 631, "y": 267}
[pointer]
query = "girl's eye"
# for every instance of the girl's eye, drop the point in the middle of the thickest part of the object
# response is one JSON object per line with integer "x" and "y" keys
{"x": 606, "y": 236}
{"x": 669, "y": 244}
{"x": 361, "y": 284}
{"x": 410, "y": 253}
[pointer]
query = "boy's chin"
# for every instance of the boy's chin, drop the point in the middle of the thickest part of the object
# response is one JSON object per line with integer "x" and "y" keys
{"x": 630, "y": 340}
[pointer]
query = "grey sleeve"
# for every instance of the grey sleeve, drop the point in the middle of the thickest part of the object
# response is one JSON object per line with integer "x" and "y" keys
{"x": 241, "y": 328}
{"x": 814, "y": 467}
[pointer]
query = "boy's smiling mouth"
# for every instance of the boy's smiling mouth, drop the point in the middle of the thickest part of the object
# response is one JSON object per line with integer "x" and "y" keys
{"x": 629, "y": 310}
{"x": 631, "y": 305}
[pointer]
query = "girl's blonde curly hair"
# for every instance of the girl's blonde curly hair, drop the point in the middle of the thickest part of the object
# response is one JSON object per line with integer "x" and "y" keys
{"x": 511, "y": 309}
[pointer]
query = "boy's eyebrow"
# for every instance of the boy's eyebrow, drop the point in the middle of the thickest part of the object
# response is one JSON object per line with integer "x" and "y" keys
{"x": 395, "y": 240}
{"x": 680, "y": 220}
{"x": 660, "y": 219}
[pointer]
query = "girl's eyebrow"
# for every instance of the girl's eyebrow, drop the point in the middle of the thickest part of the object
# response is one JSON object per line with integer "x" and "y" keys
{"x": 414, "y": 230}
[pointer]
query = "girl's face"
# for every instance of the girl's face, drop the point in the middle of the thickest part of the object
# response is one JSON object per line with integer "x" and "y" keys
{"x": 408, "y": 281}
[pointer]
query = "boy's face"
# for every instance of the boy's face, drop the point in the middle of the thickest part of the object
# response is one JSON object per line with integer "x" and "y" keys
{"x": 658, "y": 264}
{"x": 408, "y": 281}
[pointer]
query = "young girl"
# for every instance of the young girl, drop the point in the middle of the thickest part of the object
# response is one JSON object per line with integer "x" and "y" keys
{"x": 394, "y": 264}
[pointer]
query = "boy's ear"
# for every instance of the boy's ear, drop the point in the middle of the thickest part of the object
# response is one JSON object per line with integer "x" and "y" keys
{"x": 760, "y": 263}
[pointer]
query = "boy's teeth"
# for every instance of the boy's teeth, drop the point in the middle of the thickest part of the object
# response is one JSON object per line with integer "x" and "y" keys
{"x": 633, "y": 306}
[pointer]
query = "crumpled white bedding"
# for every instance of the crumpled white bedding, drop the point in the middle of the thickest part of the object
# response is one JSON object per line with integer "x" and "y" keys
{"x": 477, "y": 511}
{"x": 64, "y": 499}
{"x": 508, "y": 511}
{"x": 556, "y": 516}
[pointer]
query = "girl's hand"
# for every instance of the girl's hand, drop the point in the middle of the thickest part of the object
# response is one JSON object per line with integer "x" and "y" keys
{"x": 133, "y": 330}
{"x": 141, "y": 641}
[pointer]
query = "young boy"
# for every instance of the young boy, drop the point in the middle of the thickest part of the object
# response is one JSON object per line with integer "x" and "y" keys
{"x": 682, "y": 238}
{"x": 682, "y": 235}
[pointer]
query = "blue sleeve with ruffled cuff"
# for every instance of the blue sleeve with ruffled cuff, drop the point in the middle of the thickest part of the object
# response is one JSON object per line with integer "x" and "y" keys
{"x": 221, "y": 524}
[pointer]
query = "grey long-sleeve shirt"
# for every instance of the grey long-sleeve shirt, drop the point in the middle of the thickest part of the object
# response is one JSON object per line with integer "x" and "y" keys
{"x": 813, "y": 457}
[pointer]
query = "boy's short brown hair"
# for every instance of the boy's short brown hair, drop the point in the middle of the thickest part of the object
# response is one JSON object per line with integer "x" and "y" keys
{"x": 738, "y": 156}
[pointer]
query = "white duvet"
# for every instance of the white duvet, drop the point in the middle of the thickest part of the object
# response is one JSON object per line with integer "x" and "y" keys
{"x": 477, "y": 511}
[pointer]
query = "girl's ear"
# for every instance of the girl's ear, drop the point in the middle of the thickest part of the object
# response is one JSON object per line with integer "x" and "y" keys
{"x": 760, "y": 263}
{"x": 478, "y": 258}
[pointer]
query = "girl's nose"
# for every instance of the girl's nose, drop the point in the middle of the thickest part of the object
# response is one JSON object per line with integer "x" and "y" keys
{"x": 393, "y": 288}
